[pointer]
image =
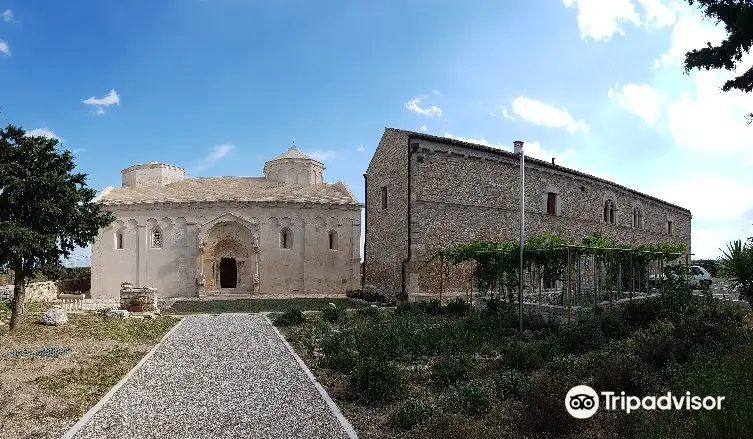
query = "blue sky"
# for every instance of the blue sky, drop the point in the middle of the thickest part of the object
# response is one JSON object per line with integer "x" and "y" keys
{"x": 220, "y": 86}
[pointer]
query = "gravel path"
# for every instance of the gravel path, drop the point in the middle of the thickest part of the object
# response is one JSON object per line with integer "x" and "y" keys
{"x": 227, "y": 376}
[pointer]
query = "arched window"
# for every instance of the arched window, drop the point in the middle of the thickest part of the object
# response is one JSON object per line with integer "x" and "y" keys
{"x": 286, "y": 239}
{"x": 637, "y": 218}
{"x": 156, "y": 238}
{"x": 333, "y": 240}
{"x": 119, "y": 240}
{"x": 609, "y": 212}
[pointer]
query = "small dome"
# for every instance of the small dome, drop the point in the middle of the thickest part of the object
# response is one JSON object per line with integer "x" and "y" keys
{"x": 293, "y": 153}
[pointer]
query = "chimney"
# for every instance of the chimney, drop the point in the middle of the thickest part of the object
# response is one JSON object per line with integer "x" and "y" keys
{"x": 552, "y": 160}
{"x": 518, "y": 146}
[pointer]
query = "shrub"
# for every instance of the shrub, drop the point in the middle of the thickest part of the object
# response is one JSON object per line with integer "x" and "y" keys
{"x": 570, "y": 365}
{"x": 407, "y": 309}
{"x": 641, "y": 313}
{"x": 5, "y": 306}
{"x": 543, "y": 411}
{"x": 368, "y": 297}
{"x": 431, "y": 307}
{"x": 450, "y": 370}
{"x": 657, "y": 346}
{"x": 457, "y": 307}
{"x": 291, "y": 317}
{"x": 410, "y": 414}
{"x": 471, "y": 398}
{"x": 512, "y": 383}
{"x": 370, "y": 312}
{"x": 618, "y": 368}
{"x": 376, "y": 382}
{"x": 338, "y": 356}
{"x": 582, "y": 336}
{"x": 333, "y": 314}
{"x": 612, "y": 326}
{"x": 522, "y": 356}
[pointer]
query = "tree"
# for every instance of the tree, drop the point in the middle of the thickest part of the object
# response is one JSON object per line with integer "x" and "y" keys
{"x": 46, "y": 210}
{"x": 737, "y": 16}
{"x": 736, "y": 264}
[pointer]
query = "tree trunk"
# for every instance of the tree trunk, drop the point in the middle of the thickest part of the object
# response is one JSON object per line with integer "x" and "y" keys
{"x": 19, "y": 298}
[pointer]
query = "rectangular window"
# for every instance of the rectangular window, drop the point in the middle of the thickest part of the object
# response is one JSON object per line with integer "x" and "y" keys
{"x": 669, "y": 227}
{"x": 551, "y": 203}
{"x": 384, "y": 197}
{"x": 119, "y": 241}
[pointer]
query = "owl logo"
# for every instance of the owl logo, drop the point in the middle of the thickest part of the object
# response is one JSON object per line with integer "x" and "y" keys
{"x": 582, "y": 402}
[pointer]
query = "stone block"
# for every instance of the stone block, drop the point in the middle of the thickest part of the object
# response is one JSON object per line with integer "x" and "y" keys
{"x": 55, "y": 317}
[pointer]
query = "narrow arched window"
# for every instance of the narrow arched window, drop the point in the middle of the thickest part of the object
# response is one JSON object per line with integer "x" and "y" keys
{"x": 156, "y": 238}
{"x": 637, "y": 218}
{"x": 333, "y": 240}
{"x": 286, "y": 239}
{"x": 609, "y": 212}
{"x": 119, "y": 240}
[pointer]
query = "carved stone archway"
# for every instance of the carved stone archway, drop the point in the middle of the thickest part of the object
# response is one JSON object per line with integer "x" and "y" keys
{"x": 229, "y": 243}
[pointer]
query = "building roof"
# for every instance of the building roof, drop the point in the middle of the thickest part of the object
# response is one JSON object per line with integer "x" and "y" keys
{"x": 248, "y": 189}
{"x": 293, "y": 153}
{"x": 542, "y": 163}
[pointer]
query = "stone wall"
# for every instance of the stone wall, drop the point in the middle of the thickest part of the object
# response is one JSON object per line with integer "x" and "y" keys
{"x": 309, "y": 267}
{"x": 460, "y": 194}
{"x": 35, "y": 292}
{"x": 386, "y": 241}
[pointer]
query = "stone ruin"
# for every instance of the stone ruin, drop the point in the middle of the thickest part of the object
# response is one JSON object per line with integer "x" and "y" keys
{"x": 142, "y": 299}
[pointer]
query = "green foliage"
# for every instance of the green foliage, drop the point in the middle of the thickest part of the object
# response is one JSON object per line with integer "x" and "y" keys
{"x": 407, "y": 309}
{"x": 46, "y": 210}
{"x": 291, "y": 317}
{"x": 710, "y": 265}
{"x": 450, "y": 370}
{"x": 376, "y": 382}
{"x": 431, "y": 307}
{"x": 333, "y": 314}
{"x": 5, "y": 306}
{"x": 522, "y": 356}
{"x": 570, "y": 365}
{"x": 736, "y": 264}
{"x": 411, "y": 414}
{"x": 370, "y": 312}
{"x": 543, "y": 412}
{"x": 457, "y": 307}
{"x": 471, "y": 398}
{"x": 583, "y": 335}
{"x": 369, "y": 297}
{"x": 548, "y": 253}
{"x": 618, "y": 367}
{"x": 512, "y": 383}
{"x": 338, "y": 356}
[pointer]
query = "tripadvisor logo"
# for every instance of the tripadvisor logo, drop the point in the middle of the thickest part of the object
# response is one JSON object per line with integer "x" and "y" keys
{"x": 582, "y": 402}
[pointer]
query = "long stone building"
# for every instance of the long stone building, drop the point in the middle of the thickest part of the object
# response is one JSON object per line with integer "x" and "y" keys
{"x": 425, "y": 192}
{"x": 285, "y": 233}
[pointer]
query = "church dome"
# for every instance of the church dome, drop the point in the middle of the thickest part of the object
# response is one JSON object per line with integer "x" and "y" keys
{"x": 294, "y": 167}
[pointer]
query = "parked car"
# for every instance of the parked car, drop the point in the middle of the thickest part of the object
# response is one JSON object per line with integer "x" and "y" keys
{"x": 699, "y": 277}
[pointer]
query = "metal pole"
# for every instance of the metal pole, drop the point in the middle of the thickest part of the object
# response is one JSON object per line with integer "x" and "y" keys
{"x": 441, "y": 279}
{"x": 519, "y": 145}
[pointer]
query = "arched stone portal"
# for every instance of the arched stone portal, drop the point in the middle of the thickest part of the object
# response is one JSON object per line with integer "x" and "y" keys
{"x": 228, "y": 258}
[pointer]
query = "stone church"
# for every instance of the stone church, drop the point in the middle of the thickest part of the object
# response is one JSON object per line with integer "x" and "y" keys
{"x": 286, "y": 233}
{"x": 425, "y": 192}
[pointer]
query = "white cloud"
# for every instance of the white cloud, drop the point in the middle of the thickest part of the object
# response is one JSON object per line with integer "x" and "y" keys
{"x": 424, "y": 128}
{"x": 323, "y": 156}
{"x": 359, "y": 148}
{"x": 111, "y": 98}
{"x": 543, "y": 114}
{"x": 217, "y": 152}
{"x": 435, "y": 92}
{"x": 691, "y": 31}
{"x": 7, "y": 15}
{"x": 43, "y": 132}
{"x": 432, "y": 111}
{"x": 531, "y": 149}
{"x": 505, "y": 112}
{"x": 640, "y": 99}
{"x": 601, "y": 19}
{"x": 708, "y": 197}
{"x": 4, "y": 48}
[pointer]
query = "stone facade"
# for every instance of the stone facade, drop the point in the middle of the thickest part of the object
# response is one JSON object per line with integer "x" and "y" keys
{"x": 196, "y": 237}
{"x": 442, "y": 192}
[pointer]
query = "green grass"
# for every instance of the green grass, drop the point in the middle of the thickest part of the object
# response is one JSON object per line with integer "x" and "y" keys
{"x": 135, "y": 331}
{"x": 84, "y": 386}
{"x": 258, "y": 305}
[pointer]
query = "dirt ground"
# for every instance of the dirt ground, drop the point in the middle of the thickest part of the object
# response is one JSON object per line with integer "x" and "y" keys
{"x": 42, "y": 397}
